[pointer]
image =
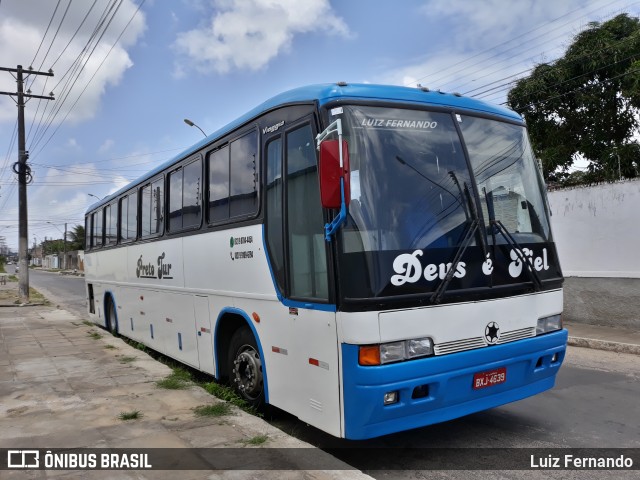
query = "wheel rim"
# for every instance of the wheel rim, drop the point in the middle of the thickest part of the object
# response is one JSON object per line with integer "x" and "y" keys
{"x": 247, "y": 372}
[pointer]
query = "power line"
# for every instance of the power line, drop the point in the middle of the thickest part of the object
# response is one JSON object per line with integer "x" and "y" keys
{"x": 96, "y": 71}
{"x": 495, "y": 47}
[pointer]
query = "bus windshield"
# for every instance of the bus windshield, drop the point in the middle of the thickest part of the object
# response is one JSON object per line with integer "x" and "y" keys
{"x": 413, "y": 201}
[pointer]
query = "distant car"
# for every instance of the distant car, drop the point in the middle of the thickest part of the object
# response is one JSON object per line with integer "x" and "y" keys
{"x": 9, "y": 263}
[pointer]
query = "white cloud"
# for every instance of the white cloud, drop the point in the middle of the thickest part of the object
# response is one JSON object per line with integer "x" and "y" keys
{"x": 23, "y": 24}
{"x": 488, "y": 42}
{"x": 73, "y": 143}
{"x": 248, "y": 34}
{"x": 106, "y": 146}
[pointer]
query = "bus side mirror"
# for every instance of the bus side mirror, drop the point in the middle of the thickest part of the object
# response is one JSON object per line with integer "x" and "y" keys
{"x": 330, "y": 173}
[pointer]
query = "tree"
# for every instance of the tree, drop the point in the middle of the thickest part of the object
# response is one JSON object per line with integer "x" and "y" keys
{"x": 586, "y": 103}
{"x": 76, "y": 238}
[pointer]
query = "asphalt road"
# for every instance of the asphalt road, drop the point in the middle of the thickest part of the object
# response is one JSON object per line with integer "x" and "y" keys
{"x": 63, "y": 290}
{"x": 594, "y": 405}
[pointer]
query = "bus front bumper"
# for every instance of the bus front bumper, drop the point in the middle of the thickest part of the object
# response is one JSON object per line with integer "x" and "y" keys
{"x": 444, "y": 384}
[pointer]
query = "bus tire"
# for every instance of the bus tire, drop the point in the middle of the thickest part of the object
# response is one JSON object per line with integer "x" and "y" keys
{"x": 112, "y": 319}
{"x": 245, "y": 365}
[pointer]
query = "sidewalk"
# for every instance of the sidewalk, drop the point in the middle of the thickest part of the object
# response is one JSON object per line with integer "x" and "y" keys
{"x": 619, "y": 340}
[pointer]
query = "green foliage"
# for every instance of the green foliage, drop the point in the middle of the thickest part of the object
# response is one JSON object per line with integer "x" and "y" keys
{"x": 126, "y": 359}
{"x": 228, "y": 395}
{"x": 215, "y": 410}
{"x": 586, "y": 104}
{"x": 257, "y": 440}
{"x": 133, "y": 415}
{"x": 76, "y": 238}
{"x": 178, "y": 380}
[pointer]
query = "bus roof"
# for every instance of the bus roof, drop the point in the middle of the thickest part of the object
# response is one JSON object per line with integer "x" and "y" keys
{"x": 327, "y": 93}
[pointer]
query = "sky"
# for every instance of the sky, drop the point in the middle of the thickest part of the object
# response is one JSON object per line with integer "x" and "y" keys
{"x": 127, "y": 72}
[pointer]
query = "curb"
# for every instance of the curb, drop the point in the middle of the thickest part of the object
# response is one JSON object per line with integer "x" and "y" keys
{"x": 604, "y": 345}
{"x": 16, "y": 305}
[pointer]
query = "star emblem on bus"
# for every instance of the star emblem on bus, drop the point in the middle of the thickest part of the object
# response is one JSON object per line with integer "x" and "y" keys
{"x": 492, "y": 333}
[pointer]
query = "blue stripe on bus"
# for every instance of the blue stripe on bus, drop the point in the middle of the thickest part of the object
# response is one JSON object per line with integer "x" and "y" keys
{"x": 242, "y": 313}
{"x": 449, "y": 380}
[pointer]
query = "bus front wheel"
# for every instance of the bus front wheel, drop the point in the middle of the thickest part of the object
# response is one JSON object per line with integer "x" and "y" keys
{"x": 246, "y": 367}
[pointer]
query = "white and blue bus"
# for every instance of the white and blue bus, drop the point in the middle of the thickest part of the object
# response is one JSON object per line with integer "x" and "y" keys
{"x": 369, "y": 258}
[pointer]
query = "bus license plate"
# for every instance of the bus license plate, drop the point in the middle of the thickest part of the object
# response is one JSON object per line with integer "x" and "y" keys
{"x": 490, "y": 378}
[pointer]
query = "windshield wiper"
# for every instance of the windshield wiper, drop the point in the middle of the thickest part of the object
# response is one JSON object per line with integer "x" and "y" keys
{"x": 513, "y": 243}
{"x": 436, "y": 296}
{"x": 473, "y": 227}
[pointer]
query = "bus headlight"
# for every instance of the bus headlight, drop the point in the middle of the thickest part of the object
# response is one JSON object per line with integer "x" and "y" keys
{"x": 420, "y": 347}
{"x": 392, "y": 352}
{"x": 549, "y": 324}
{"x": 395, "y": 351}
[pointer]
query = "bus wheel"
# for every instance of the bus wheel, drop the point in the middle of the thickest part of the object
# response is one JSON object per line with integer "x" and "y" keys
{"x": 246, "y": 367}
{"x": 112, "y": 322}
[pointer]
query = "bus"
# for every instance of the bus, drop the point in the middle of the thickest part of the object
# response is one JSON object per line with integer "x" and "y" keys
{"x": 368, "y": 258}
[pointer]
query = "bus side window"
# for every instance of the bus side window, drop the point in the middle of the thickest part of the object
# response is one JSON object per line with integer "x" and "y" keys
{"x": 128, "y": 218}
{"x": 175, "y": 200}
{"x": 185, "y": 192}
{"x": 97, "y": 229}
{"x": 243, "y": 176}
{"x": 219, "y": 185}
{"x": 152, "y": 211}
{"x": 274, "y": 223}
{"x": 87, "y": 232}
{"x": 306, "y": 245}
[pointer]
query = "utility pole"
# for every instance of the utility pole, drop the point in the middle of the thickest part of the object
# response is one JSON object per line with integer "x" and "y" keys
{"x": 64, "y": 263}
{"x": 24, "y": 172}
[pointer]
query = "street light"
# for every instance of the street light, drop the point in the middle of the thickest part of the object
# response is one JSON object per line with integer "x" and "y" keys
{"x": 64, "y": 261}
{"x": 191, "y": 124}
{"x": 92, "y": 195}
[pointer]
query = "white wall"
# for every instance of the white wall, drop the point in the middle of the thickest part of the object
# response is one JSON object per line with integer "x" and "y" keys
{"x": 597, "y": 229}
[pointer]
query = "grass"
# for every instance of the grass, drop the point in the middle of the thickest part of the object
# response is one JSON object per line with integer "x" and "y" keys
{"x": 11, "y": 295}
{"x": 182, "y": 377}
{"x": 215, "y": 410}
{"x": 257, "y": 440}
{"x": 95, "y": 335}
{"x": 127, "y": 359}
{"x": 110, "y": 347}
{"x": 133, "y": 415}
{"x": 229, "y": 395}
{"x": 87, "y": 323}
{"x": 140, "y": 346}
{"x": 178, "y": 380}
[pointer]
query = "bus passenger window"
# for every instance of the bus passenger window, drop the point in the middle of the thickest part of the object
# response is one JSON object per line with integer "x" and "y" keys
{"x": 191, "y": 189}
{"x": 97, "y": 229}
{"x": 244, "y": 176}
{"x": 219, "y": 185}
{"x": 128, "y": 218}
{"x": 185, "y": 187}
{"x": 175, "y": 201}
{"x": 152, "y": 203}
